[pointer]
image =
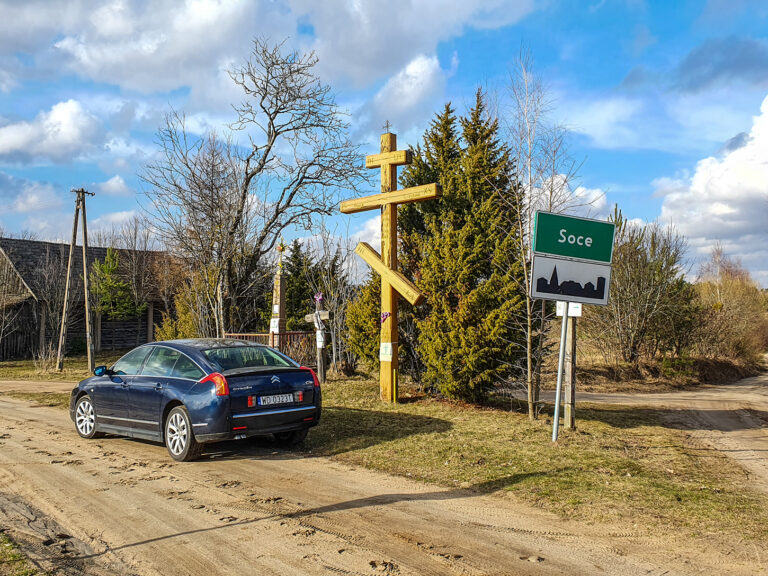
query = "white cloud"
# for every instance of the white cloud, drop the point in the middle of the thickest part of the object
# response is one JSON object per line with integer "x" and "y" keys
{"x": 34, "y": 206}
{"x": 667, "y": 121}
{"x": 112, "y": 219}
{"x": 591, "y": 202}
{"x": 370, "y": 232}
{"x": 115, "y": 186}
{"x": 612, "y": 122}
{"x": 171, "y": 45}
{"x": 409, "y": 96}
{"x": 62, "y": 134}
{"x": 30, "y": 24}
{"x": 7, "y": 81}
{"x": 35, "y": 197}
{"x": 362, "y": 41}
{"x": 725, "y": 200}
{"x": 557, "y": 194}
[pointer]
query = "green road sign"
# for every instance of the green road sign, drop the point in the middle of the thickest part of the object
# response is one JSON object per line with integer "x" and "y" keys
{"x": 572, "y": 237}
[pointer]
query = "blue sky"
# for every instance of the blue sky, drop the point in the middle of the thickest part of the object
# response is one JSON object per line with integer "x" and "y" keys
{"x": 664, "y": 99}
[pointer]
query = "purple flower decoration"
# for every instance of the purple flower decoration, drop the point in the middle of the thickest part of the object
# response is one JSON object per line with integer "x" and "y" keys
{"x": 384, "y": 316}
{"x": 319, "y": 297}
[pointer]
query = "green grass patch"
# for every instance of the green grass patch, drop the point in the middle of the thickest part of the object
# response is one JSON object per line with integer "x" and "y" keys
{"x": 75, "y": 367}
{"x": 12, "y": 561}
{"x": 621, "y": 465}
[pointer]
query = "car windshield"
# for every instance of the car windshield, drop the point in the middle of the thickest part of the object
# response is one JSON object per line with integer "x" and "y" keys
{"x": 245, "y": 357}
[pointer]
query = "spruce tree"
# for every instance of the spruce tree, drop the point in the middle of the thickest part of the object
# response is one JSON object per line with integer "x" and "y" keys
{"x": 465, "y": 339}
{"x": 363, "y": 321}
{"x": 297, "y": 269}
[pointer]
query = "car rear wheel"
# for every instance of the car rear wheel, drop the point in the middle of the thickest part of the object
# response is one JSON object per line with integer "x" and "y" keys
{"x": 85, "y": 418}
{"x": 179, "y": 438}
{"x": 291, "y": 438}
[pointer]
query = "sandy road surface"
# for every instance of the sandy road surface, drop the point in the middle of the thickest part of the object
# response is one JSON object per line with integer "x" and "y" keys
{"x": 117, "y": 506}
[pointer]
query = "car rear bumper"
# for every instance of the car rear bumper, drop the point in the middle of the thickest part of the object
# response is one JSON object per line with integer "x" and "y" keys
{"x": 266, "y": 422}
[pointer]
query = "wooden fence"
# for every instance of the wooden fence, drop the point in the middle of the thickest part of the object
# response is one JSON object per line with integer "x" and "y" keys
{"x": 297, "y": 345}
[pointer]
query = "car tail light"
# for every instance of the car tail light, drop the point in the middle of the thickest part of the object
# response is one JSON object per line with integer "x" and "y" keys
{"x": 220, "y": 383}
{"x": 314, "y": 376}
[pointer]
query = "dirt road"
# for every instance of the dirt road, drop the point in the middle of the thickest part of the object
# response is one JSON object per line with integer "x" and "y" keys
{"x": 118, "y": 506}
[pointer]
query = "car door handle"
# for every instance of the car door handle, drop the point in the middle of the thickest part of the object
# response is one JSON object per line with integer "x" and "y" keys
{"x": 158, "y": 386}
{"x": 124, "y": 385}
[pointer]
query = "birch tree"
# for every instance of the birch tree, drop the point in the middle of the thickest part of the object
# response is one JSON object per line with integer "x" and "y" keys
{"x": 545, "y": 175}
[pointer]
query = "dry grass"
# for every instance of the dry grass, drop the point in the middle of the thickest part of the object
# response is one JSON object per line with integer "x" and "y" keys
{"x": 620, "y": 465}
{"x": 75, "y": 367}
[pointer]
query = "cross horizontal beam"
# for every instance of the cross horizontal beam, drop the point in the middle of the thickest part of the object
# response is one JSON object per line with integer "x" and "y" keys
{"x": 399, "y": 282}
{"x": 395, "y": 158}
{"x": 404, "y": 196}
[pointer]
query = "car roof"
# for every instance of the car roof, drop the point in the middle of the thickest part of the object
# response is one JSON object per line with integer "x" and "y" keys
{"x": 207, "y": 343}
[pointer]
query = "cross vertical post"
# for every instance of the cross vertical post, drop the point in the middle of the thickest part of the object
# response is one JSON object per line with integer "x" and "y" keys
{"x": 393, "y": 283}
{"x": 388, "y": 364}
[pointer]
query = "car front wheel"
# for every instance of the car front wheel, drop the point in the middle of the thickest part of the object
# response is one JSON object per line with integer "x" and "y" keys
{"x": 179, "y": 438}
{"x": 85, "y": 418}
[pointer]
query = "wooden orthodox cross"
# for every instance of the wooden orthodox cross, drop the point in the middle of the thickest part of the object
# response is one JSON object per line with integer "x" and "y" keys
{"x": 392, "y": 281}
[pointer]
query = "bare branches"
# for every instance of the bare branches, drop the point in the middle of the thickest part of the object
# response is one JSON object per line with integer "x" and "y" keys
{"x": 223, "y": 205}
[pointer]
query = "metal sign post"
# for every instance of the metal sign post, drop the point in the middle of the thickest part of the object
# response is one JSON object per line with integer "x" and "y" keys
{"x": 560, "y": 362}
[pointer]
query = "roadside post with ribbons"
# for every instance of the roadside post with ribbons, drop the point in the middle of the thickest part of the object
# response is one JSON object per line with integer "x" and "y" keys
{"x": 393, "y": 282}
{"x": 571, "y": 264}
{"x": 317, "y": 319}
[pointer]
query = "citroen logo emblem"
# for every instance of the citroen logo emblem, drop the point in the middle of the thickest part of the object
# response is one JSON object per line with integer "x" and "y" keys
{"x": 275, "y": 379}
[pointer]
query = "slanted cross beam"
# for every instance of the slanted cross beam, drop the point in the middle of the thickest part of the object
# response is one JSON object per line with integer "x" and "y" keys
{"x": 393, "y": 283}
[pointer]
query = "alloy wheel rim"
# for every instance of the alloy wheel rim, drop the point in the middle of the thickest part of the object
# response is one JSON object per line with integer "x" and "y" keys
{"x": 177, "y": 433}
{"x": 85, "y": 418}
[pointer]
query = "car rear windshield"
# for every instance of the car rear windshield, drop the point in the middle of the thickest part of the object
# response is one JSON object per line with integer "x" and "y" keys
{"x": 245, "y": 357}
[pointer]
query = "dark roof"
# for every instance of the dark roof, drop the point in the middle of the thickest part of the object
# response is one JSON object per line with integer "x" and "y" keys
{"x": 28, "y": 256}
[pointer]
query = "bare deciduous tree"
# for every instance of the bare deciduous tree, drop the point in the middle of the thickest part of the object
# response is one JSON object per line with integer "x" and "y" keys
{"x": 647, "y": 263}
{"x": 331, "y": 276}
{"x": 223, "y": 206}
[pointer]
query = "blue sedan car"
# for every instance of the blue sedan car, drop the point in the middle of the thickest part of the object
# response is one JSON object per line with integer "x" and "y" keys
{"x": 186, "y": 393}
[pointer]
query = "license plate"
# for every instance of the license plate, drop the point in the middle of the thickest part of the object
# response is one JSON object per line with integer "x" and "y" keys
{"x": 275, "y": 399}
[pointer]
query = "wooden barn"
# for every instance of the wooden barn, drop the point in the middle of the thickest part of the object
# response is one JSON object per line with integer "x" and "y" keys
{"x": 32, "y": 287}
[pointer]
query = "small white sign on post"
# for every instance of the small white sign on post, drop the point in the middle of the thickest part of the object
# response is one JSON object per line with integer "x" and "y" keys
{"x": 385, "y": 352}
{"x": 274, "y": 325}
{"x": 574, "y": 310}
{"x": 320, "y": 336}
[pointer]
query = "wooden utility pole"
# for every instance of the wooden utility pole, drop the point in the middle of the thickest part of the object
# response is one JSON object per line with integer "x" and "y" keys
{"x": 88, "y": 330}
{"x": 277, "y": 323}
{"x": 393, "y": 283}
{"x": 79, "y": 204}
{"x": 65, "y": 311}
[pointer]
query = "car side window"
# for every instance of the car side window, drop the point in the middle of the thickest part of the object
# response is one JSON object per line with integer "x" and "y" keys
{"x": 161, "y": 362}
{"x": 131, "y": 362}
{"x": 185, "y": 368}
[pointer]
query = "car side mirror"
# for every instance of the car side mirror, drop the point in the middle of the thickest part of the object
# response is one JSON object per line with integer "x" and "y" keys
{"x": 100, "y": 371}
